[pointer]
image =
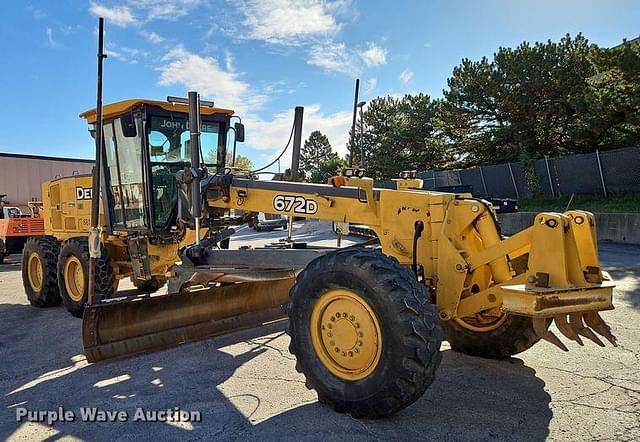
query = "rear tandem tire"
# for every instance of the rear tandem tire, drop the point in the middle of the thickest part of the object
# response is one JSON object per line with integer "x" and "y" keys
{"x": 513, "y": 336}
{"x": 73, "y": 274}
{"x": 39, "y": 259}
{"x": 375, "y": 293}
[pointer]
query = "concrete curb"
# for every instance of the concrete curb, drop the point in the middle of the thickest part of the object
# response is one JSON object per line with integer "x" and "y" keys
{"x": 622, "y": 228}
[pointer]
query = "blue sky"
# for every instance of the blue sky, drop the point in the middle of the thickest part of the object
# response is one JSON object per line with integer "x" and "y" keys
{"x": 261, "y": 58}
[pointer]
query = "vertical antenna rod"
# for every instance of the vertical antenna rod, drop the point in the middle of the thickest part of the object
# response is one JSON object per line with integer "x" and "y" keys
{"x": 297, "y": 141}
{"x": 94, "y": 236}
{"x": 352, "y": 141}
{"x": 194, "y": 129}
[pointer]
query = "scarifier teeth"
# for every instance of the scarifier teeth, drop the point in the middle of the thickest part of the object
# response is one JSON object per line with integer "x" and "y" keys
{"x": 540, "y": 327}
{"x": 574, "y": 328}
{"x": 595, "y": 321}
{"x": 575, "y": 321}
{"x": 565, "y": 328}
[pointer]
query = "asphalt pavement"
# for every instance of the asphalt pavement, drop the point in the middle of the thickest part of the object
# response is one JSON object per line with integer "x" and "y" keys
{"x": 245, "y": 387}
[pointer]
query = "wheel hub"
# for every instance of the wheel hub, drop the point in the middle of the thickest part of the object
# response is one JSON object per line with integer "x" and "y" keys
{"x": 74, "y": 278}
{"x": 346, "y": 334}
{"x": 35, "y": 272}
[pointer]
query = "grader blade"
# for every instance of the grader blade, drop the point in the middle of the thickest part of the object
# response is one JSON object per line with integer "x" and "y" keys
{"x": 124, "y": 328}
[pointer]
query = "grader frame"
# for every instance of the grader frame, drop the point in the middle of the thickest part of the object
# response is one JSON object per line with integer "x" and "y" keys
{"x": 441, "y": 262}
{"x": 365, "y": 323}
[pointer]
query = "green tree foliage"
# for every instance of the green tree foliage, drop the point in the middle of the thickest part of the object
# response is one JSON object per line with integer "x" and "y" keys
{"x": 398, "y": 134}
{"x": 317, "y": 158}
{"x": 242, "y": 162}
{"x": 541, "y": 99}
{"x": 613, "y": 96}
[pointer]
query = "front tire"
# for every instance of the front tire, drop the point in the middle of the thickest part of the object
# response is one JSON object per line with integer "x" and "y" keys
{"x": 73, "y": 274}
{"x": 39, "y": 260}
{"x": 514, "y": 334}
{"x": 386, "y": 346}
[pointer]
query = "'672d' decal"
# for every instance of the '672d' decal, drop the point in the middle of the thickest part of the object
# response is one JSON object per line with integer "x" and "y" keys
{"x": 299, "y": 204}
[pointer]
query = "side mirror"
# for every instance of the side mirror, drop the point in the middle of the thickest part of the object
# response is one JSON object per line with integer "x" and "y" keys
{"x": 128, "y": 126}
{"x": 239, "y": 132}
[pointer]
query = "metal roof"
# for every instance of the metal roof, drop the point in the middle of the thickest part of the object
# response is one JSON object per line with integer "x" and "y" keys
{"x": 113, "y": 110}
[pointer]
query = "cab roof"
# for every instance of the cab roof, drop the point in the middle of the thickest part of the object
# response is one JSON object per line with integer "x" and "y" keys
{"x": 114, "y": 110}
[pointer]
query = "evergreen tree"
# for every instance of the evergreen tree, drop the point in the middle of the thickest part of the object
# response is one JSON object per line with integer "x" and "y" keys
{"x": 316, "y": 156}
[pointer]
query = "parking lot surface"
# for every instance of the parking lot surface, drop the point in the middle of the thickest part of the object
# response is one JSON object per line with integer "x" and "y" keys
{"x": 245, "y": 386}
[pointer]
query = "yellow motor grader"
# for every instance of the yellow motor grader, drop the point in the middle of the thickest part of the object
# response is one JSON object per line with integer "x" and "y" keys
{"x": 365, "y": 321}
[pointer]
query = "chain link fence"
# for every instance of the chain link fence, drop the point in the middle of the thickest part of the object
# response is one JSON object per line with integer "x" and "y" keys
{"x": 611, "y": 171}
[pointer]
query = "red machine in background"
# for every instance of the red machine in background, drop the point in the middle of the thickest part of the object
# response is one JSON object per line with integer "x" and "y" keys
{"x": 16, "y": 226}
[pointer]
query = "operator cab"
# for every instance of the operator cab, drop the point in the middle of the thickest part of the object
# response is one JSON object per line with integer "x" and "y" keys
{"x": 146, "y": 143}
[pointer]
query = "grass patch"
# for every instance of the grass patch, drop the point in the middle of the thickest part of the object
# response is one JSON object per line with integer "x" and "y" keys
{"x": 615, "y": 203}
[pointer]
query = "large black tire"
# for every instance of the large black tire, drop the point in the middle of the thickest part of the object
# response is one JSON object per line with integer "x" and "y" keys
{"x": 104, "y": 280}
{"x": 1, "y": 258}
{"x": 150, "y": 286}
{"x": 46, "y": 249}
{"x": 514, "y": 336}
{"x": 410, "y": 335}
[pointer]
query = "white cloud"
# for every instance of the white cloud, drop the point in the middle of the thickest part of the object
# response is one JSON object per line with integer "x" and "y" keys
{"x": 228, "y": 60}
{"x": 117, "y": 15}
{"x": 289, "y": 21}
{"x": 164, "y": 9}
{"x": 370, "y": 84}
{"x": 125, "y": 54}
{"x": 337, "y": 57}
{"x": 273, "y": 134}
{"x": 224, "y": 85}
{"x": 406, "y": 76}
{"x": 146, "y": 11}
{"x": 152, "y": 37}
{"x": 374, "y": 55}
{"x": 334, "y": 57}
{"x": 204, "y": 74}
{"x": 50, "y": 41}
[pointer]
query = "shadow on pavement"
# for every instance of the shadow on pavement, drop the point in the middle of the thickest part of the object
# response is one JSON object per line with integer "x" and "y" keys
{"x": 622, "y": 262}
{"x": 479, "y": 399}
